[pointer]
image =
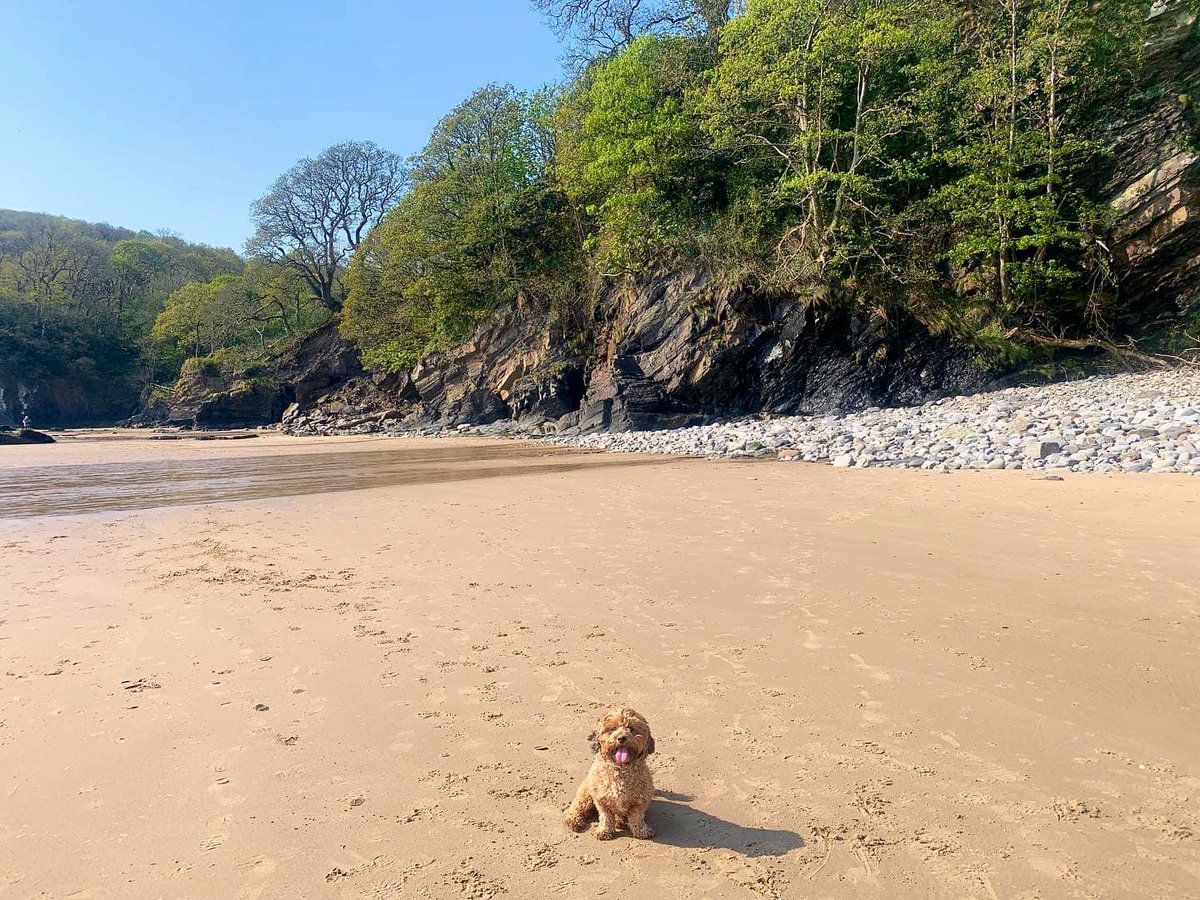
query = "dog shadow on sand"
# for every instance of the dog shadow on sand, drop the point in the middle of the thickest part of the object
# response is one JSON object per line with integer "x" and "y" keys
{"x": 681, "y": 825}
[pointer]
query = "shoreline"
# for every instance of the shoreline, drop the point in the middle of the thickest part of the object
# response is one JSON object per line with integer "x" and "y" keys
{"x": 1145, "y": 422}
{"x": 1130, "y": 422}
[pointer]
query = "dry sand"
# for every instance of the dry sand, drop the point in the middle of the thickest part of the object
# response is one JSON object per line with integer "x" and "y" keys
{"x": 862, "y": 683}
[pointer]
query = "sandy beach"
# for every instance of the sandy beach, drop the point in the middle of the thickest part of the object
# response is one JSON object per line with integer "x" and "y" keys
{"x": 309, "y": 677}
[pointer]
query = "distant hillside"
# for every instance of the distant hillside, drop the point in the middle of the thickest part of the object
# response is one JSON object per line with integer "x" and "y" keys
{"x": 15, "y": 222}
{"x": 78, "y": 301}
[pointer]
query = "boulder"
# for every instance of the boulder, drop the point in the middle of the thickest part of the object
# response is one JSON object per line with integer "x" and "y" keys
{"x": 25, "y": 436}
{"x": 1042, "y": 449}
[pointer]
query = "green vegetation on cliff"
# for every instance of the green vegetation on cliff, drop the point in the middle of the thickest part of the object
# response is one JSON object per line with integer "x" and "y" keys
{"x": 942, "y": 158}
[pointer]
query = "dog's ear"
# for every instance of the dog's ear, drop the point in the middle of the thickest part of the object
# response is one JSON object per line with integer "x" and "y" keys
{"x": 594, "y": 742}
{"x": 650, "y": 745}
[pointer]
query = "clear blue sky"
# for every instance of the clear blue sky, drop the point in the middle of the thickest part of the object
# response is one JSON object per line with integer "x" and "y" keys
{"x": 178, "y": 114}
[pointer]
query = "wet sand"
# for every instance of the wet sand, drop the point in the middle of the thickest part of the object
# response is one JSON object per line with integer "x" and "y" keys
{"x": 862, "y": 683}
{"x": 137, "y": 477}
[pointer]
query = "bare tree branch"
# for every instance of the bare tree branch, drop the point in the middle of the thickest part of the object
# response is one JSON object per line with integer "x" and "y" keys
{"x": 316, "y": 214}
{"x": 595, "y": 29}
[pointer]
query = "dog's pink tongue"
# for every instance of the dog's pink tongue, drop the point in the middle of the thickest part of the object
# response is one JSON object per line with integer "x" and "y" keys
{"x": 621, "y": 756}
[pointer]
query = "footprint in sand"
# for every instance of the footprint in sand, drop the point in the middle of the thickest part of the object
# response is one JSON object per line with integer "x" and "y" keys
{"x": 870, "y": 710}
{"x": 212, "y": 843}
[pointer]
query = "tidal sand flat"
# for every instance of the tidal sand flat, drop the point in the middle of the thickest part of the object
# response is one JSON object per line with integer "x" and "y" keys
{"x": 366, "y": 668}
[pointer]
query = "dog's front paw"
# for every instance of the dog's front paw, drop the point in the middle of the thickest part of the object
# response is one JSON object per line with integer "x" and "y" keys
{"x": 645, "y": 832}
{"x": 604, "y": 834}
{"x": 576, "y": 825}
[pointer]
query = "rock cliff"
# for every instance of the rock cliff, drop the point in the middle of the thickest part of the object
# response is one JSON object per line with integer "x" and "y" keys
{"x": 59, "y": 399}
{"x": 1155, "y": 189}
{"x": 665, "y": 351}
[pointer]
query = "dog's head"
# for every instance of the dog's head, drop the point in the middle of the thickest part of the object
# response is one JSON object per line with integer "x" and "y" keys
{"x": 623, "y": 736}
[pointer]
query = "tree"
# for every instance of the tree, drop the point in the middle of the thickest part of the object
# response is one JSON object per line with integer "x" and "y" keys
{"x": 603, "y": 28}
{"x": 78, "y": 301}
{"x": 817, "y": 99}
{"x": 632, "y": 153}
{"x": 317, "y": 213}
{"x": 278, "y": 302}
{"x": 39, "y": 271}
{"x": 1025, "y": 135}
{"x": 249, "y": 312}
{"x": 448, "y": 252}
{"x": 200, "y": 317}
{"x": 136, "y": 264}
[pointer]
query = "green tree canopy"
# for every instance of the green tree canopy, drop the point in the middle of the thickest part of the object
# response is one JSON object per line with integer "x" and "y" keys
{"x": 449, "y": 252}
{"x": 1025, "y": 133}
{"x": 631, "y": 151}
{"x": 817, "y": 100}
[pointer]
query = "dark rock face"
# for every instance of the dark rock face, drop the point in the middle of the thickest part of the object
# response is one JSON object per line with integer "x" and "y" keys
{"x": 666, "y": 351}
{"x": 679, "y": 351}
{"x": 320, "y": 363}
{"x": 670, "y": 351}
{"x": 58, "y": 400}
{"x": 255, "y": 404}
{"x": 849, "y": 360}
{"x": 376, "y": 399}
{"x": 1155, "y": 189}
{"x": 551, "y": 393}
{"x": 506, "y": 370}
{"x": 191, "y": 392}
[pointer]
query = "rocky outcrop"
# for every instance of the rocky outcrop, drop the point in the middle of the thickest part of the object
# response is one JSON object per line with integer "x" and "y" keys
{"x": 259, "y": 402}
{"x": 508, "y": 369}
{"x": 191, "y": 391}
{"x": 377, "y": 399}
{"x": 665, "y": 351}
{"x": 318, "y": 364}
{"x": 678, "y": 349}
{"x": 208, "y": 399}
{"x": 24, "y": 436}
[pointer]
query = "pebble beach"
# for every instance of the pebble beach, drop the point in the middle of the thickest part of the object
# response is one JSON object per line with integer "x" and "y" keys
{"x": 1147, "y": 422}
{"x": 1137, "y": 422}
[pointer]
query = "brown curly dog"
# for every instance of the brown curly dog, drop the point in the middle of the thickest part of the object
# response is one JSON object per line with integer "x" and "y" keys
{"x": 618, "y": 786}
